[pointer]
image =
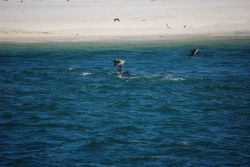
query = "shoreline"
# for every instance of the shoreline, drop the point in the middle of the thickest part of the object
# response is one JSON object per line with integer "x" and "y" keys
{"x": 110, "y": 39}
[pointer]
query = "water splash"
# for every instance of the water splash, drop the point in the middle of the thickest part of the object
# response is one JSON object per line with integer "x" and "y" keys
{"x": 170, "y": 77}
{"x": 85, "y": 74}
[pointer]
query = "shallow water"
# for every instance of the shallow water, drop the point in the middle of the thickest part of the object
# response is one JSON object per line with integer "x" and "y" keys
{"x": 62, "y": 104}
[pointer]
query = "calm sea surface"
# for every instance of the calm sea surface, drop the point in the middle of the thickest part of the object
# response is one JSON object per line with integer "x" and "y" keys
{"x": 62, "y": 104}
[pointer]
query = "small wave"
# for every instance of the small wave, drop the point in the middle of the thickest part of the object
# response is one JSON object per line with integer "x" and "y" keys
{"x": 111, "y": 73}
{"x": 85, "y": 74}
{"x": 184, "y": 143}
{"x": 173, "y": 78}
{"x": 70, "y": 68}
{"x": 151, "y": 76}
{"x": 133, "y": 77}
{"x": 167, "y": 77}
{"x": 139, "y": 76}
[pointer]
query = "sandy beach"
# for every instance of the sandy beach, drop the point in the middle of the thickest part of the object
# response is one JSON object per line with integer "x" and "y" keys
{"x": 75, "y": 20}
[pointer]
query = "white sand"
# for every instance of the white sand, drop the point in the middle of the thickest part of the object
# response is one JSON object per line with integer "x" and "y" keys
{"x": 60, "y": 20}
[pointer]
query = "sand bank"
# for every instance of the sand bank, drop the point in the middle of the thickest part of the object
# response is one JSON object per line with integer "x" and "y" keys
{"x": 75, "y": 20}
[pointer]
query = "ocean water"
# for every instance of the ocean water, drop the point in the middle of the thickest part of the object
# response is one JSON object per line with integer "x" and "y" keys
{"x": 62, "y": 104}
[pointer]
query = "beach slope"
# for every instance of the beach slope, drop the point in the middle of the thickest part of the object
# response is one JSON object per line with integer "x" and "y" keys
{"x": 73, "y": 20}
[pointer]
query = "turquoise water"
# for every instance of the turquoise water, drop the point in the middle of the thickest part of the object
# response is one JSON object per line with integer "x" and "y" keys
{"x": 62, "y": 104}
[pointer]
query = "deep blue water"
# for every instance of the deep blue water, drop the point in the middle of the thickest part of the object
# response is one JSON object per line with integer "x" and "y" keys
{"x": 62, "y": 104}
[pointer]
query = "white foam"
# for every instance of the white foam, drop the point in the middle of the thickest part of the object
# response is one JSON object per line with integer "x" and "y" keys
{"x": 70, "y": 68}
{"x": 134, "y": 77}
{"x": 85, "y": 74}
{"x": 169, "y": 77}
{"x": 184, "y": 143}
{"x": 151, "y": 76}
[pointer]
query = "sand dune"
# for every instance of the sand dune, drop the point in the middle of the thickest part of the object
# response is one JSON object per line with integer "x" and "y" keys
{"x": 93, "y": 19}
